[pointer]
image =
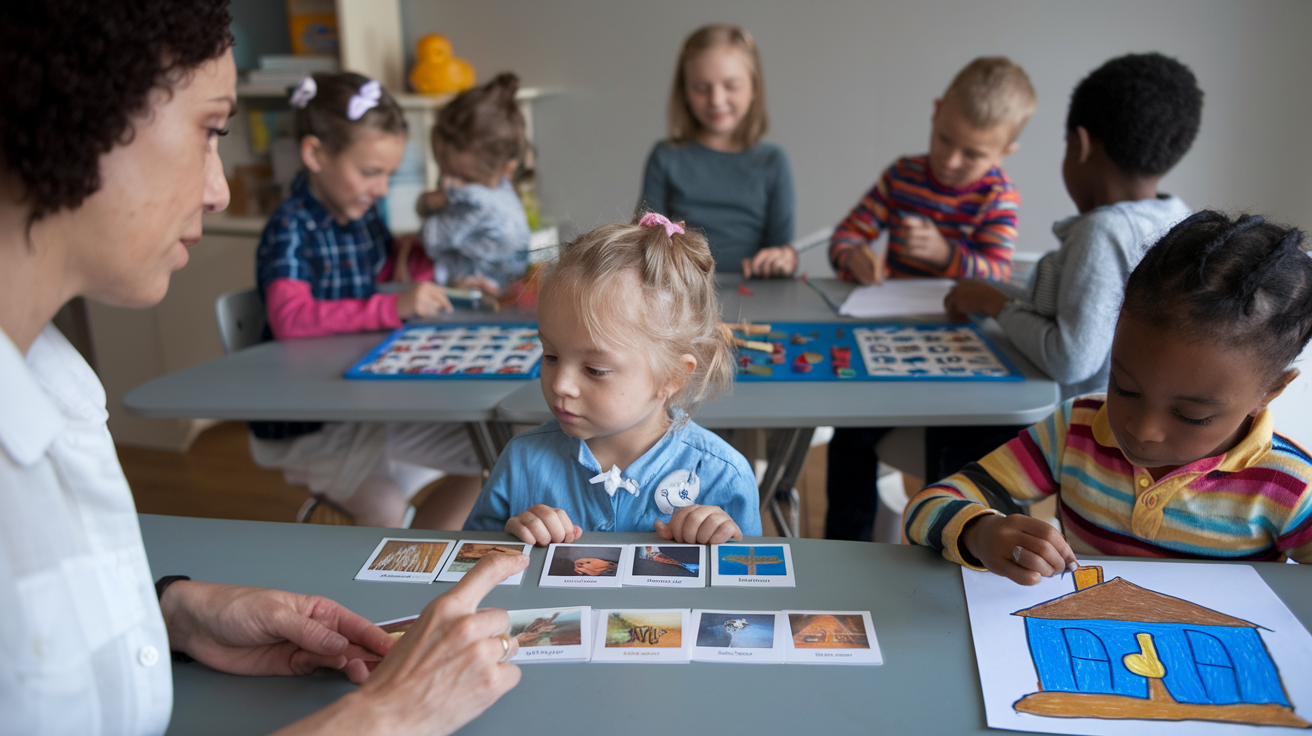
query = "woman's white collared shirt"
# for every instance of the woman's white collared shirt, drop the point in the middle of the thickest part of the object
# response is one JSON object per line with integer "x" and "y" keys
{"x": 83, "y": 649}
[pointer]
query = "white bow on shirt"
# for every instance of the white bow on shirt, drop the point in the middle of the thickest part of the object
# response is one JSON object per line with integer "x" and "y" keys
{"x": 614, "y": 481}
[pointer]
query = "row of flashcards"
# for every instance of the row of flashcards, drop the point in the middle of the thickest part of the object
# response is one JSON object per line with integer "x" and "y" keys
{"x": 677, "y": 635}
{"x": 402, "y": 560}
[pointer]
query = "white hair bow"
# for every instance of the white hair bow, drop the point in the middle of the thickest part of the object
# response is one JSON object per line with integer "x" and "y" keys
{"x": 614, "y": 481}
{"x": 304, "y": 92}
{"x": 364, "y": 100}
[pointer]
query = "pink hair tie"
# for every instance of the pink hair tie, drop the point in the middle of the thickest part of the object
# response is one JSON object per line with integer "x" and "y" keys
{"x": 655, "y": 219}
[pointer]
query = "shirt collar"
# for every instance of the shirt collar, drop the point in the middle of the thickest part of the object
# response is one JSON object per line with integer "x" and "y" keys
{"x": 1250, "y": 449}
{"x": 315, "y": 209}
{"x": 29, "y": 420}
{"x": 643, "y": 470}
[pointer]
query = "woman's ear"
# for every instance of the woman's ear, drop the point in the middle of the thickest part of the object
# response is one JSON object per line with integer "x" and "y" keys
{"x": 312, "y": 153}
{"x": 1281, "y": 383}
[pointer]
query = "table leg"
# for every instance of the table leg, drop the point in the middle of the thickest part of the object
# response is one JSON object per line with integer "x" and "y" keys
{"x": 489, "y": 440}
{"x": 786, "y": 451}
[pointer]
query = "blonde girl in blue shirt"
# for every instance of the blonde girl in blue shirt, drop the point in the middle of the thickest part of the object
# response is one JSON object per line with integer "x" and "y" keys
{"x": 630, "y": 328}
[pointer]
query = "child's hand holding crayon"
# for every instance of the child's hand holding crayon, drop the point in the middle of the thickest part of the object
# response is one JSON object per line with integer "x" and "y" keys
{"x": 1018, "y": 547}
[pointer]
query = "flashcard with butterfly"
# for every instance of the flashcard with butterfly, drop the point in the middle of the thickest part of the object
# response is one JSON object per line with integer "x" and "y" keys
{"x": 454, "y": 351}
{"x": 649, "y": 635}
{"x": 667, "y": 566}
{"x": 744, "y": 637}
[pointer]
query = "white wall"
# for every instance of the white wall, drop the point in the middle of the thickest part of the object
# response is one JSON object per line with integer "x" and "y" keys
{"x": 850, "y": 85}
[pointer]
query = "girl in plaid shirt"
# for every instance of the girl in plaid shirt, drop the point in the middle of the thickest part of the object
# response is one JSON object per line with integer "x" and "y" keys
{"x": 316, "y": 266}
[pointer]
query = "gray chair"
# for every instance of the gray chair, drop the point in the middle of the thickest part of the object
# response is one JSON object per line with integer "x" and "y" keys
{"x": 241, "y": 319}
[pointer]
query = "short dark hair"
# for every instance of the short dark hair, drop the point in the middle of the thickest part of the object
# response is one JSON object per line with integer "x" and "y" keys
{"x": 74, "y": 75}
{"x": 1245, "y": 283}
{"x": 487, "y": 122}
{"x": 1145, "y": 109}
{"x": 325, "y": 115}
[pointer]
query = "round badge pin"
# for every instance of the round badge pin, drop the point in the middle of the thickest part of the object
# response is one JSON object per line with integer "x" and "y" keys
{"x": 676, "y": 490}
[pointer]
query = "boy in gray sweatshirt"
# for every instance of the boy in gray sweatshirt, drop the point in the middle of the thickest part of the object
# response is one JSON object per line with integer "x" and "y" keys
{"x": 1129, "y": 122}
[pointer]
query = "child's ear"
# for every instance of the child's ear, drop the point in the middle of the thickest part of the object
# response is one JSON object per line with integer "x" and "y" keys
{"x": 312, "y": 153}
{"x": 934, "y": 115}
{"x": 1282, "y": 382}
{"x": 687, "y": 364}
{"x": 1083, "y": 143}
{"x": 508, "y": 171}
{"x": 1011, "y": 148}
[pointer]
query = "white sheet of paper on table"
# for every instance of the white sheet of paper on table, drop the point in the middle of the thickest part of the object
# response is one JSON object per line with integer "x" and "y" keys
{"x": 897, "y": 298}
{"x": 1008, "y": 672}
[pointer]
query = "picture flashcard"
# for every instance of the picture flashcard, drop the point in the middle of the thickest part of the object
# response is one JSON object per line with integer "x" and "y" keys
{"x": 667, "y": 566}
{"x": 642, "y": 635}
{"x": 748, "y": 637}
{"x": 552, "y": 634}
{"x": 397, "y": 627}
{"x": 398, "y": 560}
{"x": 469, "y": 551}
{"x": 585, "y": 565}
{"x": 752, "y": 565}
{"x": 832, "y": 637}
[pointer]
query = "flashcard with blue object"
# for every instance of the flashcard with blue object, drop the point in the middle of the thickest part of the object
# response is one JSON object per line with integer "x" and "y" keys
{"x": 454, "y": 351}
{"x": 828, "y": 351}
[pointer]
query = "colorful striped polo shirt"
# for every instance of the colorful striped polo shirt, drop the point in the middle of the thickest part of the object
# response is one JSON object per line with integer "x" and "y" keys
{"x": 978, "y": 221}
{"x": 1252, "y": 503}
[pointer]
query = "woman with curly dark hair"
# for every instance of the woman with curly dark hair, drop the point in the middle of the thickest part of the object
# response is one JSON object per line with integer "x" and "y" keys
{"x": 109, "y": 116}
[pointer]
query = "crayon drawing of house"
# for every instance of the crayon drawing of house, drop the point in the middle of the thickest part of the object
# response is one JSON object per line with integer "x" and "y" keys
{"x": 1115, "y": 650}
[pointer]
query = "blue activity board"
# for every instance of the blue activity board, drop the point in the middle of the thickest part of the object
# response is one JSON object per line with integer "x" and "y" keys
{"x": 873, "y": 351}
{"x": 454, "y": 351}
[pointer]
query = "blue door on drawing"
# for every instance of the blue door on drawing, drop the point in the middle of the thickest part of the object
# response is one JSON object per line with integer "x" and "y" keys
{"x": 1090, "y": 664}
{"x": 1216, "y": 669}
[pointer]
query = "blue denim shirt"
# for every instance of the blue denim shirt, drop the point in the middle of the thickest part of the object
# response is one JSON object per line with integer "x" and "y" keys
{"x": 545, "y": 465}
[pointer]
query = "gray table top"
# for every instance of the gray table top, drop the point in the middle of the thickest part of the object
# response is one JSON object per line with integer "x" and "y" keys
{"x": 837, "y": 403}
{"x": 928, "y": 683}
{"x": 302, "y": 380}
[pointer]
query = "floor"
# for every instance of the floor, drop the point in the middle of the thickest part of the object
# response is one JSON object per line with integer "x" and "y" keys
{"x": 217, "y": 479}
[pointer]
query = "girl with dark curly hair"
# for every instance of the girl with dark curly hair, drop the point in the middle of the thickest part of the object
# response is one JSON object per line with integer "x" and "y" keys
{"x": 109, "y": 116}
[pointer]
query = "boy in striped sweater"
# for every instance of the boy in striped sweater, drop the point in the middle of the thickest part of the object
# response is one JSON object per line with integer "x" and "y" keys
{"x": 1179, "y": 459}
{"x": 951, "y": 212}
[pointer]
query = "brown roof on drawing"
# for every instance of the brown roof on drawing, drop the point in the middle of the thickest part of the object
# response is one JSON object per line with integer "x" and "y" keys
{"x": 1118, "y": 600}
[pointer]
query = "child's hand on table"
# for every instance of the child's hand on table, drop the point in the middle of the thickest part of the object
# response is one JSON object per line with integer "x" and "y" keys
{"x": 1018, "y": 547}
{"x": 541, "y": 525}
{"x": 768, "y": 263}
{"x": 970, "y": 296}
{"x": 699, "y": 525}
{"x": 867, "y": 266}
{"x": 482, "y": 283}
{"x": 426, "y": 299}
{"x": 925, "y": 243}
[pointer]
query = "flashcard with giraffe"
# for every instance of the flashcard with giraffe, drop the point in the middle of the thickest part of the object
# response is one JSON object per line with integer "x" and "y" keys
{"x": 752, "y": 566}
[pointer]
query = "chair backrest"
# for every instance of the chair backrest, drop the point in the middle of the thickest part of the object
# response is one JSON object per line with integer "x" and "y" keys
{"x": 241, "y": 319}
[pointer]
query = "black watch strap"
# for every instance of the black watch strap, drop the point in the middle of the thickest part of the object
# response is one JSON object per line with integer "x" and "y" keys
{"x": 160, "y": 585}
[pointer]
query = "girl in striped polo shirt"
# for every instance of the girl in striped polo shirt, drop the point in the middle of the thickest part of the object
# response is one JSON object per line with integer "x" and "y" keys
{"x": 1179, "y": 459}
